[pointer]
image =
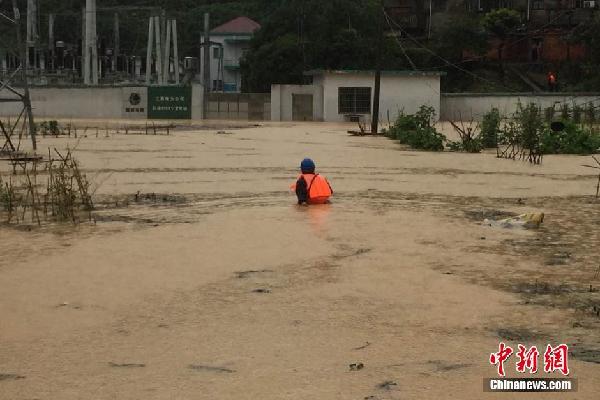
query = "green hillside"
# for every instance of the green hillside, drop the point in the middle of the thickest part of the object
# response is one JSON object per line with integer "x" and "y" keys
{"x": 299, "y": 35}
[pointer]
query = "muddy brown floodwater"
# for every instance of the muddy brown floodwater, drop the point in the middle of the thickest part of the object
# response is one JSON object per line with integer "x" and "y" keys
{"x": 201, "y": 278}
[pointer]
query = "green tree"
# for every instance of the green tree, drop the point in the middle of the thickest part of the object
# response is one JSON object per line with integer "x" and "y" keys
{"x": 280, "y": 61}
{"x": 458, "y": 34}
{"x": 314, "y": 34}
{"x": 501, "y": 23}
{"x": 586, "y": 33}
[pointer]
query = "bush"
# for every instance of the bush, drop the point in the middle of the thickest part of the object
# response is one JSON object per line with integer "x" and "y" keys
{"x": 590, "y": 113}
{"x": 510, "y": 134}
{"x": 564, "y": 112}
{"x": 50, "y": 128}
{"x": 577, "y": 111}
{"x": 469, "y": 145}
{"x": 549, "y": 114}
{"x": 532, "y": 126}
{"x": 522, "y": 135}
{"x": 469, "y": 136}
{"x": 417, "y": 130}
{"x": 574, "y": 139}
{"x": 490, "y": 128}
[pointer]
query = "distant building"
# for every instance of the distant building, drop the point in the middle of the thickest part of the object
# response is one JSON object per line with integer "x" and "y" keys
{"x": 537, "y": 13}
{"x": 343, "y": 96}
{"x": 541, "y": 39}
{"x": 234, "y": 37}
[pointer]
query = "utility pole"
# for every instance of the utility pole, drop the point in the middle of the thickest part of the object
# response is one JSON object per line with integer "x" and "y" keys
{"x": 117, "y": 44}
{"x": 158, "y": 37}
{"x": 376, "y": 95}
{"x": 149, "y": 50}
{"x": 167, "y": 53}
{"x": 171, "y": 43}
{"x": 206, "y": 63}
{"x": 32, "y": 34}
{"x": 175, "y": 51}
{"x": 157, "y": 41}
{"x": 22, "y": 54}
{"x": 83, "y": 44}
{"x": 86, "y": 50}
{"x": 90, "y": 56}
{"x": 429, "y": 24}
{"x": 163, "y": 36}
{"x": 94, "y": 44}
{"x": 51, "y": 44}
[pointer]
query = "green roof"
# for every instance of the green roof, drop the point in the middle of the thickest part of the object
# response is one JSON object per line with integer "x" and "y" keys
{"x": 372, "y": 72}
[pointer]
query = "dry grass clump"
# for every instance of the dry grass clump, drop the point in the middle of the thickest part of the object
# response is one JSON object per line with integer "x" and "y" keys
{"x": 45, "y": 190}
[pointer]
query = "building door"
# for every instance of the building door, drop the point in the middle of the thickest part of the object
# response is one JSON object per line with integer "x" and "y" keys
{"x": 302, "y": 107}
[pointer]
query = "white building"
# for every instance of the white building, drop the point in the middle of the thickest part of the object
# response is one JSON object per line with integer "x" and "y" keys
{"x": 337, "y": 96}
{"x": 234, "y": 39}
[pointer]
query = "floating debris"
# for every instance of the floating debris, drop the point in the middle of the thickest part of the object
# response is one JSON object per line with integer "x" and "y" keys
{"x": 10, "y": 377}
{"x": 246, "y": 274}
{"x": 126, "y": 365}
{"x": 367, "y": 344}
{"x": 209, "y": 368}
{"x": 356, "y": 366}
{"x": 531, "y": 220}
{"x": 387, "y": 385}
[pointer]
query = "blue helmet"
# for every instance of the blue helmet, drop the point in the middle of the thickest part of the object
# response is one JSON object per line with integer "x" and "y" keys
{"x": 307, "y": 165}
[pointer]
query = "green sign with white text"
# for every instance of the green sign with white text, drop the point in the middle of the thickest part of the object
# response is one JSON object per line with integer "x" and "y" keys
{"x": 169, "y": 102}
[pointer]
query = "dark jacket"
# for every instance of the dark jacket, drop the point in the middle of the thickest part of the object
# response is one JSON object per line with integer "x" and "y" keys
{"x": 301, "y": 190}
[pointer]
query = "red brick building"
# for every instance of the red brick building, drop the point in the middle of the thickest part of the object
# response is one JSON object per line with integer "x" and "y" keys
{"x": 549, "y": 46}
{"x": 542, "y": 39}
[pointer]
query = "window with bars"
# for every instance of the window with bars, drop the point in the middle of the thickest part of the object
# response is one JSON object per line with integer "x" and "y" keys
{"x": 354, "y": 100}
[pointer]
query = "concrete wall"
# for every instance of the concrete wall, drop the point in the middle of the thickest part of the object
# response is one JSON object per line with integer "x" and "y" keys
{"x": 473, "y": 105}
{"x": 281, "y": 100}
{"x": 97, "y": 102}
{"x": 76, "y": 102}
{"x": 398, "y": 93}
{"x": 197, "y": 101}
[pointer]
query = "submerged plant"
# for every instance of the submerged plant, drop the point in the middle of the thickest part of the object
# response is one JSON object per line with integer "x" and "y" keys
{"x": 418, "y": 130}
{"x": 59, "y": 191}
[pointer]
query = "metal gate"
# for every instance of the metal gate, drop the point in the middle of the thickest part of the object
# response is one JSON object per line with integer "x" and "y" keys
{"x": 302, "y": 107}
{"x": 241, "y": 106}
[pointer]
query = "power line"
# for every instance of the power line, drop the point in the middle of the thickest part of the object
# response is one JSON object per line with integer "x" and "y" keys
{"x": 526, "y": 36}
{"x": 412, "y": 64}
{"x": 8, "y": 18}
{"x": 444, "y": 60}
{"x": 414, "y": 67}
{"x": 571, "y": 99}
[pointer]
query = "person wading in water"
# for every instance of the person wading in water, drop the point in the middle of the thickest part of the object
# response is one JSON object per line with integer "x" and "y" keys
{"x": 311, "y": 188}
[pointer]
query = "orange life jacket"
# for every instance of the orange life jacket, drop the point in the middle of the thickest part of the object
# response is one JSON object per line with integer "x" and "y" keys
{"x": 317, "y": 187}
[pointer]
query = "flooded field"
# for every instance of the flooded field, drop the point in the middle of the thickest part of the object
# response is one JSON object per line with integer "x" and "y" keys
{"x": 200, "y": 278}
